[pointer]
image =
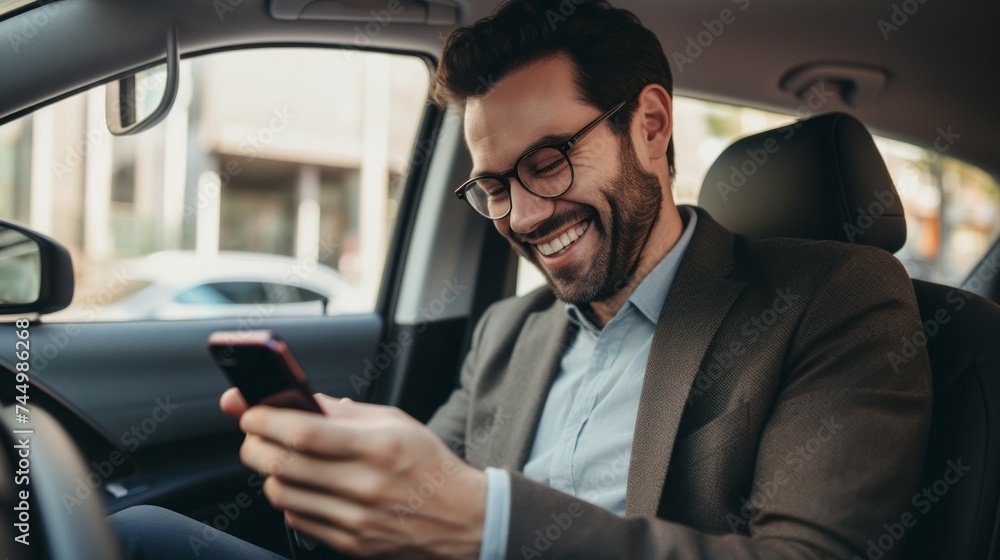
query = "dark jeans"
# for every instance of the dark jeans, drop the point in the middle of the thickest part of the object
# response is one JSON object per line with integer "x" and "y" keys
{"x": 155, "y": 533}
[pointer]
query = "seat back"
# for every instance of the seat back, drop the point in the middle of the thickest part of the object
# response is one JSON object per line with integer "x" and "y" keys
{"x": 823, "y": 178}
{"x": 962, "y": 465}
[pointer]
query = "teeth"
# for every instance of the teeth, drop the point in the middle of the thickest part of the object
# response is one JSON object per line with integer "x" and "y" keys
{"x": 563, "y": 241}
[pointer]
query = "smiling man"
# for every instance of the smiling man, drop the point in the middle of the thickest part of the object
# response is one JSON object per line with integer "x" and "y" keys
{"x": 595, "y": 242}
{"x": 622, "y": 411}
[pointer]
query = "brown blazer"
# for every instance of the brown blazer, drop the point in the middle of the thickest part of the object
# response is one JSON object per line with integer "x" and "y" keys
{"x": 772, "y": 422}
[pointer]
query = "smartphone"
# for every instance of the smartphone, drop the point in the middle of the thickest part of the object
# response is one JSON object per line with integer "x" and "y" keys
{"x": 260, "y": 364}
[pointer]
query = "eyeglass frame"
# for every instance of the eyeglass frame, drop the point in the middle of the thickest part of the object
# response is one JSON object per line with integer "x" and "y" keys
{"x": 563, "y": 146}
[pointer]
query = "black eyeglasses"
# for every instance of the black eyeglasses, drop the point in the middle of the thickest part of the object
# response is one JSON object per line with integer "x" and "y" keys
{"x": 545, "y": 171}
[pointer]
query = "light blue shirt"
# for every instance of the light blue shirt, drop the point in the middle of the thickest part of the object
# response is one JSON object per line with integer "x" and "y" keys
{"x": 584, "y": 438}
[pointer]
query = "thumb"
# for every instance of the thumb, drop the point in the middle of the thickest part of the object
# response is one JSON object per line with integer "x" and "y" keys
{"x": 233, "y": 403}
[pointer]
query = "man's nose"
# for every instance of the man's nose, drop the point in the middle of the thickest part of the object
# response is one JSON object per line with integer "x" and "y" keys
{"x": 527, "y": 209}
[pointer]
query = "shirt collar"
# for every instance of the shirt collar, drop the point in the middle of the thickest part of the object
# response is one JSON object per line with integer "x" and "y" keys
{"x": 650, "y": 294}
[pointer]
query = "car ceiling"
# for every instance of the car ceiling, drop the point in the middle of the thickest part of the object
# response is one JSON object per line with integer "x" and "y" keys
{"x": 941, "y": 63}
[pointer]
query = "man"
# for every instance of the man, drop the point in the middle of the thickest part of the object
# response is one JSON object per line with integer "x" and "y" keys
{"x": 675, "y": 392}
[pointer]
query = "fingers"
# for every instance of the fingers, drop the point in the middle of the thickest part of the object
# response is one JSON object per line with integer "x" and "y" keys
{"x": 332, "y": 406}
{"x": 232, "y": 402}
{"x": 346, "y": 408}
{"x": 304, "y": 501}
{"x": 349, "y": 478}
{"x": 266, "y": 457}
{"x": 297, "y": 430}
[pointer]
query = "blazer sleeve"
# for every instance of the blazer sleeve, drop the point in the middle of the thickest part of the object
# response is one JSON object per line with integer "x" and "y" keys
{"x": 839, "y": 371}
{"x": 450, "y": 419}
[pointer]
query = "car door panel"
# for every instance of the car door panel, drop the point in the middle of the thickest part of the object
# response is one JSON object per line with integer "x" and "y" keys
{"x": 152, "y": 390}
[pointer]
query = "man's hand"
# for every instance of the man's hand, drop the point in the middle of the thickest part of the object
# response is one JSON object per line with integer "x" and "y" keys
{"x": 367, "y": 480}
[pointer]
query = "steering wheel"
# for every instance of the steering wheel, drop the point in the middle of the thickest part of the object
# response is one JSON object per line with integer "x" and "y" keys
{"x": 50, "y": 473}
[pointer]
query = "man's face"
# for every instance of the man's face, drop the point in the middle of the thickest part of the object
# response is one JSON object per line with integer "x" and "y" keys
{"x": 606, "y": 216}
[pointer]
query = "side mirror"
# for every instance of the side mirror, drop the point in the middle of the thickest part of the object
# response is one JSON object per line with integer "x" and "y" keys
{"x": 36, "y": 272}
{"x": 142, "y": 100}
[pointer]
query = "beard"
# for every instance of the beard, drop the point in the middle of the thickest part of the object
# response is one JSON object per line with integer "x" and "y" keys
{"x": 633, "y": 198}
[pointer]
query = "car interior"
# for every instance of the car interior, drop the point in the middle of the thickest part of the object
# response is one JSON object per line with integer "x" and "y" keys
{"x": 905, "y": 70}
{"x": 837, "y": 158}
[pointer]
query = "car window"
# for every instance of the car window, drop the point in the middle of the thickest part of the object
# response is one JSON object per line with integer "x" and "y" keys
{"x": 206, "y": 294}
{"x": 237, "y": 293}
{"x": 293, "y": 171}
{"x": 301, "y": 294}
{"x": 952, "y": 208}
{"x": 241, "y": 293}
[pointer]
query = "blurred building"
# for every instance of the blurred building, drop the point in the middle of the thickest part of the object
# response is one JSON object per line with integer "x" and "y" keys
{"x": 302, "y": 152}
{"x": 297, "y": 152}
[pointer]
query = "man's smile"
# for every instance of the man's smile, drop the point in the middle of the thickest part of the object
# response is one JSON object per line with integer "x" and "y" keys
{"x": 561, "y": 242}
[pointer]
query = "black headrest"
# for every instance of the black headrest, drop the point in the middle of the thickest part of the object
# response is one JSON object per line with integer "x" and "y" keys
{"x": 821, "y": 178}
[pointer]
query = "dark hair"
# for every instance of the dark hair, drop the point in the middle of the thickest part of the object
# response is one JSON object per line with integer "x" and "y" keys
{"x": 613, "y": 55}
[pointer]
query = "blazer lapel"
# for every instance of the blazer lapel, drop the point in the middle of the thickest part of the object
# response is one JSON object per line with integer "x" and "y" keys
{"x": 698, "y": 300}
{"x": 533, "y": 366}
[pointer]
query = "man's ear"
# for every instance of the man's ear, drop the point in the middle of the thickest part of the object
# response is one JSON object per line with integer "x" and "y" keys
{"x": 653, "y": 123}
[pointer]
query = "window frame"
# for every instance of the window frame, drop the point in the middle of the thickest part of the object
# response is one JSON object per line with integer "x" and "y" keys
{"x": 412, "y": 188}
